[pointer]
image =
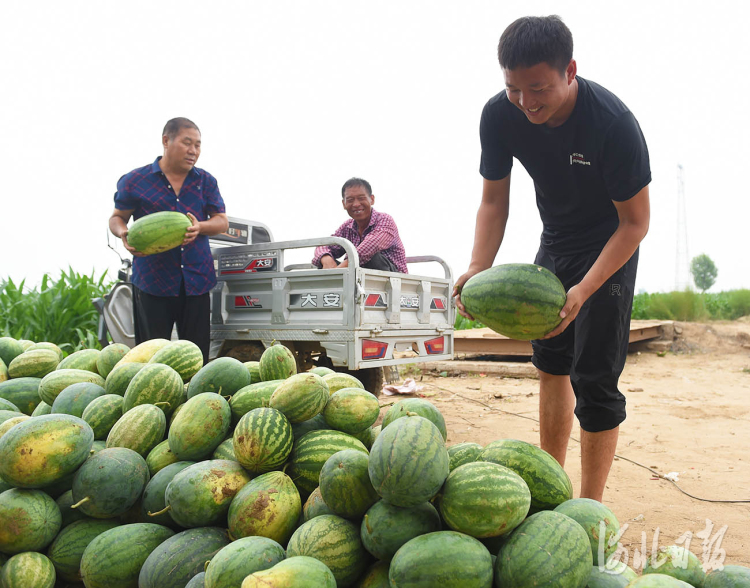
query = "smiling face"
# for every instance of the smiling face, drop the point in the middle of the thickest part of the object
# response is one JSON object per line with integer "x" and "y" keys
{"x": 182, "y": 152}
{"x": 543, "y": 93}
{"x": 358, "y": 203}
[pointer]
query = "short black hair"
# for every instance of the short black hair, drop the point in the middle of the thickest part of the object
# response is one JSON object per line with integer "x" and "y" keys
{"x": 175, "y": 125}
{"x": 353, "y": 183}
{"x": 531, "y": 40}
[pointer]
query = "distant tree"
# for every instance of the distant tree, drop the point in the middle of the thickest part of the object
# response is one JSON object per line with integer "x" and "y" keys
{"x": 704, "y": 272}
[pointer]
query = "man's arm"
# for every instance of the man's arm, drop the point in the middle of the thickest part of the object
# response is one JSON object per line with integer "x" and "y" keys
{"x": 492, "y": 217}
{"x": 634, "y": 217}
{"x": 216, "y": 224}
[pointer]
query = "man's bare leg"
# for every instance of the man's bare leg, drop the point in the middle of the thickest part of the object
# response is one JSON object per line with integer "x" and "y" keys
{"x": 597, "y": 453}
{"x": 556, "y": 404}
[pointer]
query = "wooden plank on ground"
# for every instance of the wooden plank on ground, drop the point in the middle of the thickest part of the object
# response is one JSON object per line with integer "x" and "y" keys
{"x": 509, "y": 369}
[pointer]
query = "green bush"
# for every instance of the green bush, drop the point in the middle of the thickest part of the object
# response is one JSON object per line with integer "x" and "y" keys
{"x": 691, "y": 306}
{"x": 58, "y": 310}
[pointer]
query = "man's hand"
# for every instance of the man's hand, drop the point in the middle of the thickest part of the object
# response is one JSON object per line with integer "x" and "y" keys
{"x": 192, "y": 231}
{"x": 132, "y": 250}
{"x": 573, "y": 304}
{"x": 457, "y": 292}
{"x": 327, "y": 262}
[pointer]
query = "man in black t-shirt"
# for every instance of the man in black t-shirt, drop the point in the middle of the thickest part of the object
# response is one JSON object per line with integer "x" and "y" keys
{"x": 588, "y": 159}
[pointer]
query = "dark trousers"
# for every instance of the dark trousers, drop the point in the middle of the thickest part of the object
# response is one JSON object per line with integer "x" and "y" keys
{"x": 154, "y": 317}
{"x": 380, "y": 262}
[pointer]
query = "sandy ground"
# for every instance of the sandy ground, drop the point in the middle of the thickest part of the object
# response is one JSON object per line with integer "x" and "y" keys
{"x": 688, "y": 412}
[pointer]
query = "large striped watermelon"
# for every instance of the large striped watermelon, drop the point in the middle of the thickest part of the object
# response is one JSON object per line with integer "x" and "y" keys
{"x": 44, "y": 449}
{"x": 345, "y": 484}
{"x": 160, "y": 457}
{"x": 119, "y": 378}
{"x": 599, "y": 522}
{"x": 547, "y": 549}
{"x": 85, "y": 359}
{"x": 200, "y": 426}
{"x": 8, "y": 424}
{"x": 66, "y": 550}
{"x": 185, "y": 357}
{"x": 110, "y": 482}
{"x": 677, "y": 562}
{"x": 462, "y": 453}
{"x": 154, "y": 383}
{"x": 351, "y": 410}
{"x": 335, "y": 542}
{"x": 102, "y": 413}
{"x": 143, "y": 352}
{"x": 385, "y": 528}
{"x": 484, "y": 499}
{"x": 418, "y": 406}
{"x": 225, "y": 450}
{"x": 300, "y": 397}
{"x": 30, "y": 520}
{"x": 158, "y": 232}
{"x": 262, "y": 440}
{"x": 294, "y": 572}
{"x": 75, "y": 398}
{"x": 8, "y": 405}
{"x": 36, "y": 363}
{"x": 153, "y": 500}
{"x": 277, "y": 363}
{"x": 241, "y": 558}
{"x": 518, "y": 300}
{"x": 23, "y": 392}
{"x": 181, "y": 557}
{"x": 408, "y": 461}
{"x": 268, "y": 506}
{"x": 200, "y": 495}
{"x": 446, "y": 559}
{"x": 55, "y": 382}
{"x": 338, "y": 381}
{"x": 27, "y": 570}
{"x": 140, "y": 429}
{"x": 114, "y": 558}
{"x": 253, "y": 367}
{"x": 732, "y": 576}
{"x": 547, "y": 480}
{"x": 109, "y": 357}
{"x": 312, "y": 450}
{"x": 46, "y": 345}
{"x": 224, "y": 376}
{"x": 10, "y": 348}
{"x": 256, "y": 395}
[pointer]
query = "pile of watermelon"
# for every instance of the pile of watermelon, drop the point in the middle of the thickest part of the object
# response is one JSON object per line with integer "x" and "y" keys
{"x": 144, "y": 468}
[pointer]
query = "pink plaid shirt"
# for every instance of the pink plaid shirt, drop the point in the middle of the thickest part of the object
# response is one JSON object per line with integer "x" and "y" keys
{"x": 380, "y": 235}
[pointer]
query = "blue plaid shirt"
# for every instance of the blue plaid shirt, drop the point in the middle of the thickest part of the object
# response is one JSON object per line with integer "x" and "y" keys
{"x": 146, "y": 190}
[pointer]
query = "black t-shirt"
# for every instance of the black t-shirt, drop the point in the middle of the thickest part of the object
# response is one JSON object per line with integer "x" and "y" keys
{"x": 596, "y": 156}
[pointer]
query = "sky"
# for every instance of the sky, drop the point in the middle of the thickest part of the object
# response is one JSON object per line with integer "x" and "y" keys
{"x": 294, "y": 97}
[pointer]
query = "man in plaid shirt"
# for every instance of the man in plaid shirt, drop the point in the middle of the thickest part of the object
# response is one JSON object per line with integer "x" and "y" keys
{"x": 173, "y": 286}
{"x": 373, "y": 233}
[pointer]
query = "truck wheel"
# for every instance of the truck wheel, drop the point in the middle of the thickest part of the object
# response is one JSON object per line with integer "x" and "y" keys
{"x": 372, "y": 379}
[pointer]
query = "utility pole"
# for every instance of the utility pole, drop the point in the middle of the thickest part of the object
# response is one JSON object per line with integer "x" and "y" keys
{"x": 682, "y": 265}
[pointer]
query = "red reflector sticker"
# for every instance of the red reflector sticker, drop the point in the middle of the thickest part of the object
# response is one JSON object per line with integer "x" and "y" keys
{"x": 375, "y": 300}
{"x": 435, "y": 346}
{"x": 240, "y": 301}
{"x": 437, "y": 304}
{"x": 373, "y": 349}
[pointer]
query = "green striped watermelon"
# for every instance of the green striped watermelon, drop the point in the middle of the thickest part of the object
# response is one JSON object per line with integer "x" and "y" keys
{"x": 603, "y": 578}
{"x": 119, "y": 378}
{"x": 294, "y": 572}
{"x": 322, "y": 371}
{"x": 594, "y": 517}
{"x": 183, "y": 356}
{"x": 230, "y": 566}
{"x": 300, "y": 397}
{"x": 44, "y": 449}
{"x": 158, "y": 232}
{"x": 75, "y": 398}
{"x": 201, "y": 425}
{"x": 462, "y": 453}
{"x": 85, "y": 359}
{"x": 27, "y": 570}
{"x": 484, "y": 499}
{"x": 109, "y": 357}
{"x": 225, "y": 450}
{"x": 417, "y": 406}
{"x": 173, "y": 563}
{"x": 345, "y": 484}
{"x": 153, "y": 500}
{"x": 253, "y": 396}
{"x": 6, "y": 415}
{"x": 199, "y": 495}
{"x": 36, "y": 363}
{"x": 253, "y": 367}
{"x": 8, "y": 405}
{"x": 160, "y": 457}
{"x": 677, "y": 562}
{"x": 408, "y": 461}
{"x": 267, "y": 506}
{"x": 114, "y": 558}
{"x": 9, "y": 349}
{"x": 732, "y": 576}
{"x": 548, "y": 482}
{"x": 48, "y": 346}
{"x": 26, "y": 343}
{"x": 154, "y": 383}
{"x": 110, "y": 482}
{"x": 518, "y": 300}
{"x": 102, "y": 413}
{"x": 385, "y": 528}
{"x": 277, "y": 363}
{"x": 66, "y": 550}
{"x": 547, "y": 549}
{"x": 351, "y": 410}
{"x": 140, "y": 429}
{"x": 338, "y": 381}
{"x": 10, "y": 423}
{"x": 315, "y": 506}
{"x": 335, "y": 542}
{"x": 143, "y": 352}
{"x": 224, "y": 376}
{"x": 444, "y": 558}
{"x": 31, "y": 520}
{"x": 41, "y": 409}
{"x": 55, "y": 382}
{"x": 23, "y": 392}
{"x": 262, "y": 440}
{"x": 376, "y": 576}
{"x": 312, "y": 450}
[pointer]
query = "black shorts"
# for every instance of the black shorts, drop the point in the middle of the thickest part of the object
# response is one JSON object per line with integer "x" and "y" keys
{"x": 594, "y": 347}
